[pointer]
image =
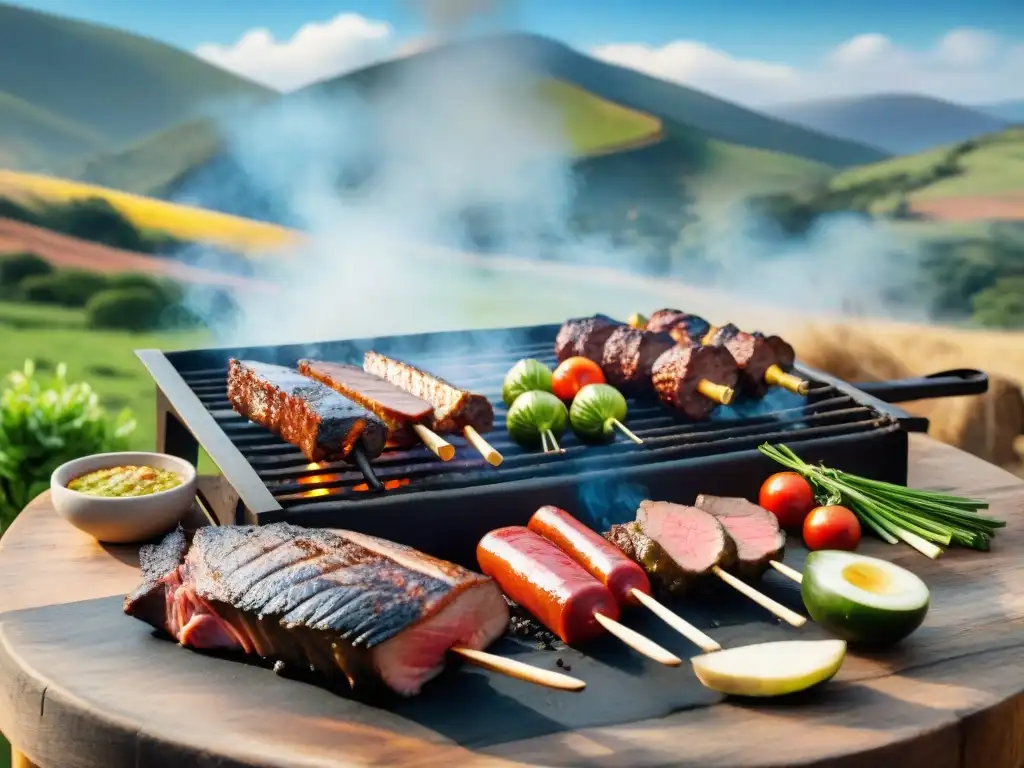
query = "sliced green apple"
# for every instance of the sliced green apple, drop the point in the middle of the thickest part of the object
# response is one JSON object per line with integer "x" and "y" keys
{"x": 770, "y": 669}
{"x": 863, "y": 599}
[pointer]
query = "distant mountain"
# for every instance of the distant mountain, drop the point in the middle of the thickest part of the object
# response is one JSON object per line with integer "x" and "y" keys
{"x": 69, "y": 88}
{"x": 895, "y": 123}
{"x": 1009, "y": 111}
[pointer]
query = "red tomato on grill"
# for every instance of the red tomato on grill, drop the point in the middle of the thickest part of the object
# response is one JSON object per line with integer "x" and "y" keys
{"x": 572, "y": 375}
{"x": 831, "y": 528}
{"x": 789, "y": 497}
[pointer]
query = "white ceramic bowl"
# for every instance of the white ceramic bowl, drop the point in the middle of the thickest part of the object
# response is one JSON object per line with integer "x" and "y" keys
{"x": 122, "y": 520}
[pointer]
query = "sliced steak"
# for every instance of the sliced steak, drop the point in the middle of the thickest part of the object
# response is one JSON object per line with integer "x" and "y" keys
{"x": 754, "y": 529}
{"x": 315, "y": 419}
{"x": 347, "y": 606}
{"x": 629, "y": 356}
{"x": 677, "y": 374}
{"x": 584, "y": 337}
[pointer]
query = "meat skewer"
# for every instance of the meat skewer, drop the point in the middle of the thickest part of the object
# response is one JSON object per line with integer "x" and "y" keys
{"x": 629, "y": 358}
{"x": 372, "y": 613}
{"x": 764, "y": 361}
{"x": 627, "y": 581}
{"x": 315, "y": 419}
{"x": 557, "y": 590}
{"x": 662, "y": 539}
{"x": 455, "y": 410}
{"x": 760, "y": 542}
{"x": 403, "y": 413}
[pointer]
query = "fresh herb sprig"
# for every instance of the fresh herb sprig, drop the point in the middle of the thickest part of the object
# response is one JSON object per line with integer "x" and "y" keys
{"x": 926, "y": 520}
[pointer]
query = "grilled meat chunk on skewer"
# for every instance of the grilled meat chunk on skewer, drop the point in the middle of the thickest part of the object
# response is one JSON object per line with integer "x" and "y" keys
{"x": 678, "y": 546}
{"x": 347, "y": 606}
{"x": 584, "y": 337}
{"x": 317, "y": 420}
{"x": 454, "y": 408}
{"x": 753, "y": 355}
{"x": 681, "y": 377}
{"x": 629, "y": 357}
{"x": 785, "y": 355}
{"x": 394, "y": 406}
{"x": 755, "y": 530}
{"x": 685, "y": 329}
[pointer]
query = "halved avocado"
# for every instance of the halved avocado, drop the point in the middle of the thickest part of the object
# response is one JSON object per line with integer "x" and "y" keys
{"x": 863, "y": 599}
{"x": 770, "y": 669}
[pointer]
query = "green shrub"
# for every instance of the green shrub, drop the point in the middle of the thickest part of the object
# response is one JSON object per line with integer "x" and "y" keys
{"x": 1002, "y": 305}
{"x": 125, "y": 309}
{"x": 170, "y": 291}
{"x": 66, "y": 287}
{"x": 15, "y": 267}
{"x": 44, "y": 424}
{"x": 93, "y": 219}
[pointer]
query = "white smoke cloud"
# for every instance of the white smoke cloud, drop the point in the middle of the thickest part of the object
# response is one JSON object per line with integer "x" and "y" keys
{"x": 964, "y": 65}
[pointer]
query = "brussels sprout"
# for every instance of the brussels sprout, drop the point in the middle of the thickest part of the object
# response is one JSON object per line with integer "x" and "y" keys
{"x": 537, "y": 417}
{"x": 597, "y": 411}
{"x": 525, "y": 376}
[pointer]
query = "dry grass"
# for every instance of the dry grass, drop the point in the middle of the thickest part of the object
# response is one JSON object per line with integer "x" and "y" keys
{"x": 180, "y": 221}
{"x": 989, "y": 426}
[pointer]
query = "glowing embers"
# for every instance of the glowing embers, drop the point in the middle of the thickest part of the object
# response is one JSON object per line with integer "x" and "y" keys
{"x": 334, "y": 482}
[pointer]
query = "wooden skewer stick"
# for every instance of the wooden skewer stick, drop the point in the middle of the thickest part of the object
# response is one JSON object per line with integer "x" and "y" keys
{"x": 555, "y": 448}
{"x": 720, "y": 393}
{"x": 627, "y": 432}
{"x": 785, "y": 570}
{"x": 437, "y": 444}
{"x": 490, "y": 455}
{"x": 678, "y": 623}
{"x": 638, "y": 642}
{"x": 777, "y": 377}
{"x": 519, "y": 670}
{"x": 790, "y": 617}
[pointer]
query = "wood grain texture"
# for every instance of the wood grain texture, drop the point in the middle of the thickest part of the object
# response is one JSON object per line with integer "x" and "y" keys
{"x": 952, "y": 696}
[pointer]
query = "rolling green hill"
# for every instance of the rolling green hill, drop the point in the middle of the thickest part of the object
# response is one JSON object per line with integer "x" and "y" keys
{"x": 69, "y": 87}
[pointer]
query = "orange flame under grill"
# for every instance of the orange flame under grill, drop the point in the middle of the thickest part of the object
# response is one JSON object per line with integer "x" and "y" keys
{"x": 389, "y": 485}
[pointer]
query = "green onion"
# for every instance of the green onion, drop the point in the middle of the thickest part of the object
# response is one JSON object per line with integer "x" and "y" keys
{"x": 926, "y": 520}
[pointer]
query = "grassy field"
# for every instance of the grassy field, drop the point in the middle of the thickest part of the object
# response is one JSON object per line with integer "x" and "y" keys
{"x": 182, "y": 222}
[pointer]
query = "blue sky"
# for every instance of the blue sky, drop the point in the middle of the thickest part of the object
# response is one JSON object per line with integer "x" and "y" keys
{"x": 797, "y": 34}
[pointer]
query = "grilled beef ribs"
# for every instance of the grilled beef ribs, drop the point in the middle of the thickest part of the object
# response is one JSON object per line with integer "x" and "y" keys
{"x": 454, "y": 408}
{"x": 629, "y": 356}
{"x": 395, "y": 407}
{"x": 584, "y": 337}
{"x": 676, "y": 545}
{"x": 753, "y": 356}
{"x": 686, "y": 329}
{"x": 317, "y": 420}
{"x": 755, "y": 530}
{"x": 677, "y": 374}
{"x": 355, "y": 608}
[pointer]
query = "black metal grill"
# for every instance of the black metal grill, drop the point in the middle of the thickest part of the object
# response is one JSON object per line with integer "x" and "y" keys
{"x": 444, "y": 507}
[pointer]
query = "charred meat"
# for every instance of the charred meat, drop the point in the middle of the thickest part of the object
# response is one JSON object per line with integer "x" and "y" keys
{"x": 678, "y": 546}
{"x": 677, "y": 375}
{"x": 684, "y": 328}
{"x": 395, "y": 407}
{"x": 629, "y": 357}
{"x": 355, "y": 608}
{"x": 585, "y": 337}
{"x": 755, "y": 530}
{"x": 454, "y": 408}
{"x": 317, "y": 420}
{"x": 752, "y": 354}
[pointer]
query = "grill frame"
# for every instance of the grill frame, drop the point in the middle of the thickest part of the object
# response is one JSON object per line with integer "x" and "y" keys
{"x": 459, "y": 516}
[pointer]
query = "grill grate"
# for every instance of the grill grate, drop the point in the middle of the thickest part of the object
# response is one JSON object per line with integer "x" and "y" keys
{"x": 266, "y": 480}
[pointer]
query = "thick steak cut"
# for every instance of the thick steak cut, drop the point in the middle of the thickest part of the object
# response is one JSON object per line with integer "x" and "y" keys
{"x": 338, "y": 603}
{"x": 759, "y": 540}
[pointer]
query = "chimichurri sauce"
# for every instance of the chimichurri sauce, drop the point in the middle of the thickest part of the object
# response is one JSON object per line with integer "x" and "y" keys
{"x": 126, "y": 481}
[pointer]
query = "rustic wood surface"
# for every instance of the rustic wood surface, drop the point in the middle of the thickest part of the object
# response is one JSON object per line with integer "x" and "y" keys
{"x": 953, "y": 695}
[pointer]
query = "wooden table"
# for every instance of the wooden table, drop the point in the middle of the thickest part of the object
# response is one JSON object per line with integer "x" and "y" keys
{"x": 952, "y": 696}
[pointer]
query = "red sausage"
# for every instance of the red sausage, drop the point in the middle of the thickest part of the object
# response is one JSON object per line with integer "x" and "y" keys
{"x": 598, "y": 556}
{"x": 546, "y": 582}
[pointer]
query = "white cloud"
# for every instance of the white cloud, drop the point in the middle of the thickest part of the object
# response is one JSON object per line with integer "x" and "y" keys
{"x": 965, "y": 65}
{"x": 316, "y": 51}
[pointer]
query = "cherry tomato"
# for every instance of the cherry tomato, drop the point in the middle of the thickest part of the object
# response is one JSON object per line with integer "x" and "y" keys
{"x": 573, "y": 374}
{"x": 831, "y": 528}
{"x": 789, "y": 497}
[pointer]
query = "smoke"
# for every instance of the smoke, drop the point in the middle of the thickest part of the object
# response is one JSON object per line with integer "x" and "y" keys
{"x": 390, "y": 188}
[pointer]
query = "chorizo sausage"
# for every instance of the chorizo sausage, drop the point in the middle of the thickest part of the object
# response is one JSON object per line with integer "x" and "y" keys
{"x": 546, "y": 582}
{"x": 598, "y": 556}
